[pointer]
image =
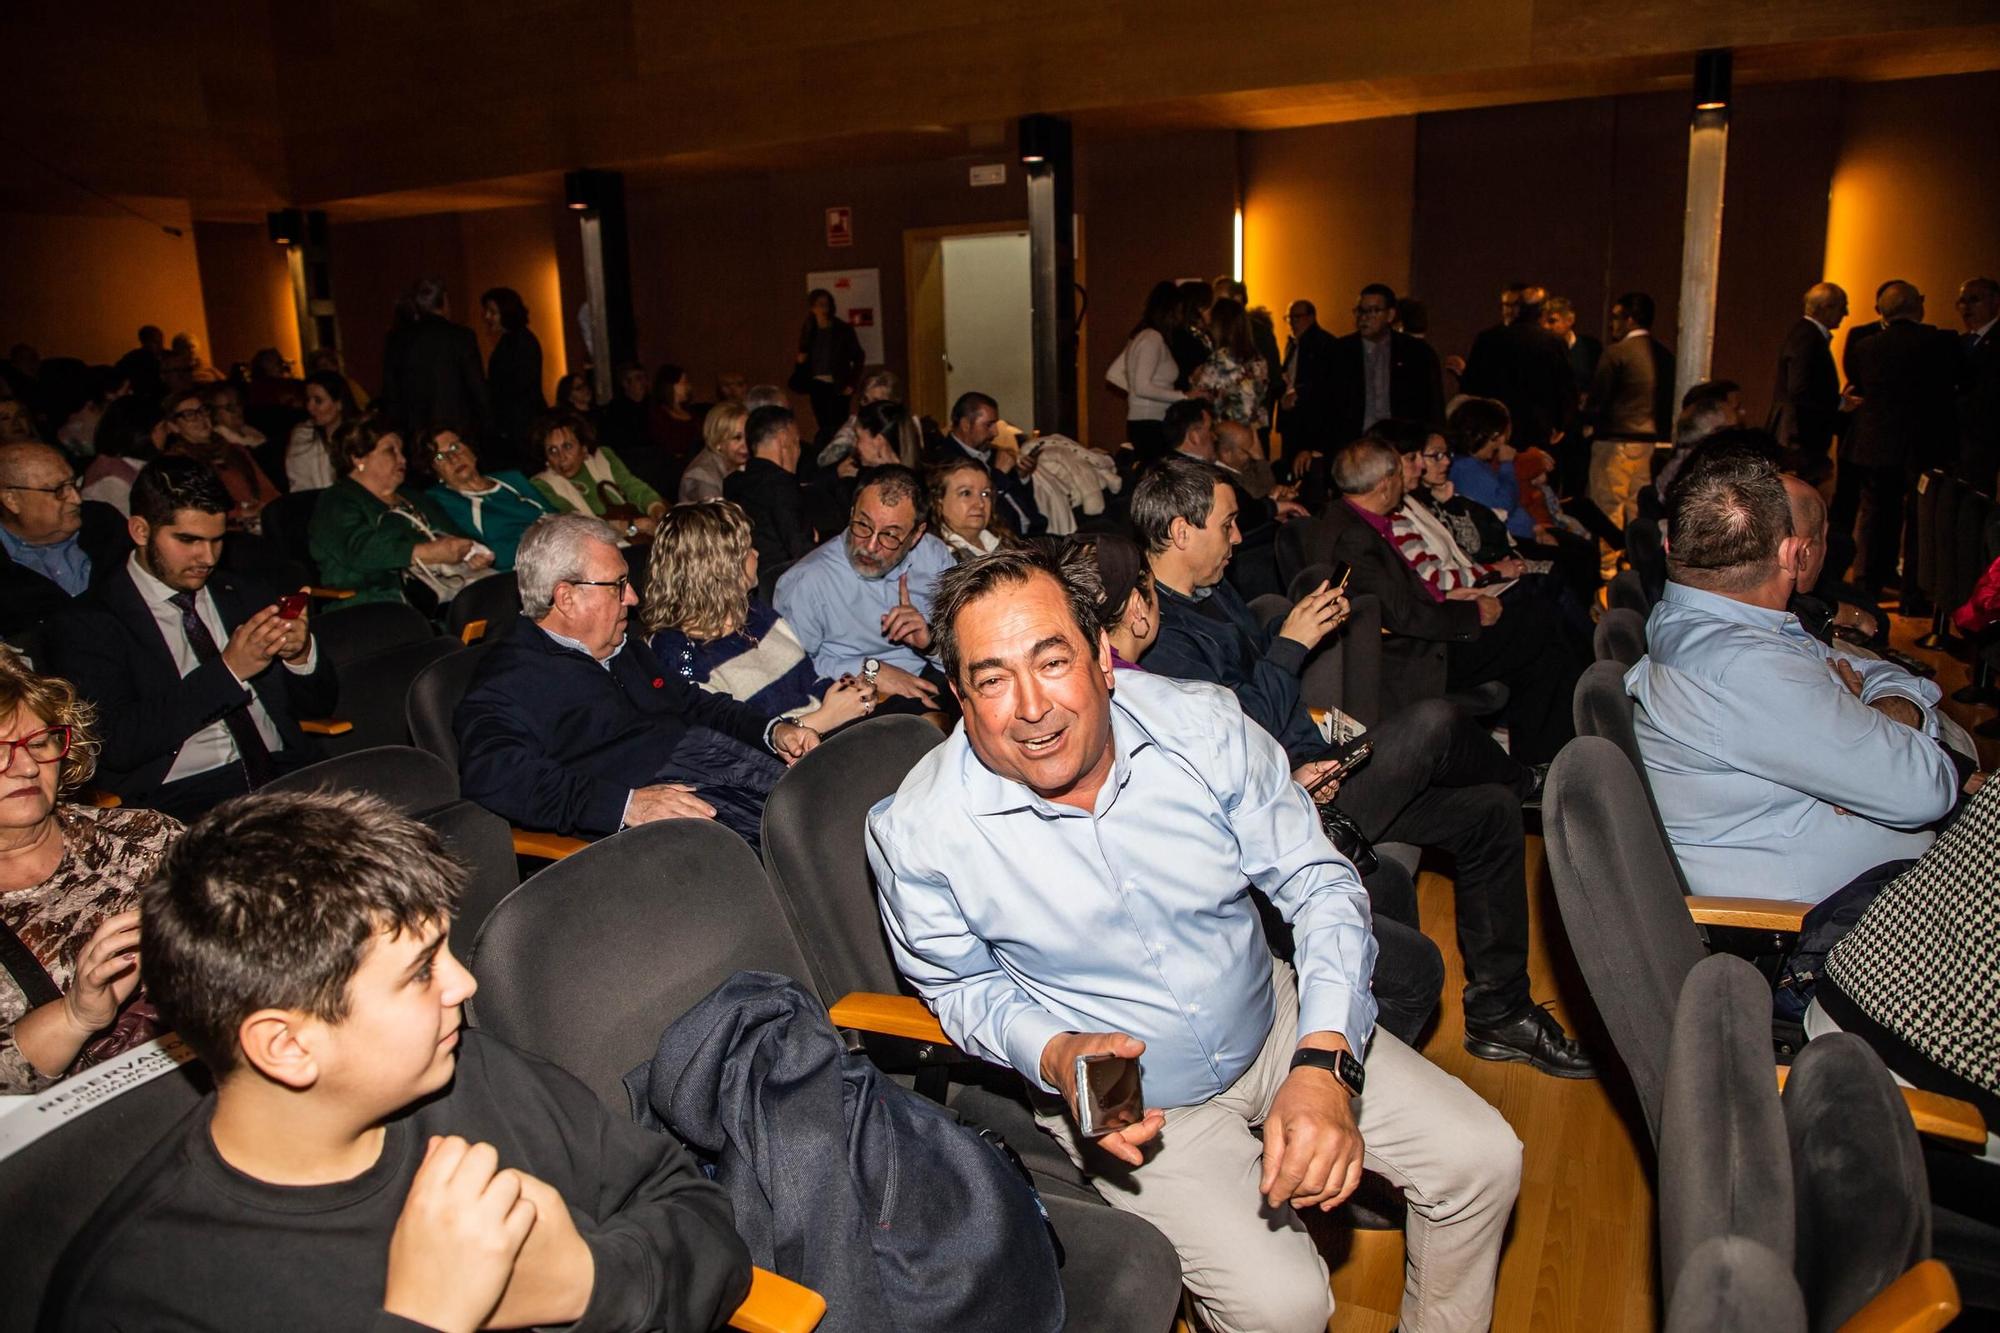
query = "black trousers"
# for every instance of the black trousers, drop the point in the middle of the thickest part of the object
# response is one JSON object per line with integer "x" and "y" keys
{"x": 1409, "y": 970}
{"x": 188, "y": 799}
{"x": 1437, "y": 780}
{"x": 829, "y": 405}
{"x": 1526, "y": 650}
{"x": 1886, "y": 494}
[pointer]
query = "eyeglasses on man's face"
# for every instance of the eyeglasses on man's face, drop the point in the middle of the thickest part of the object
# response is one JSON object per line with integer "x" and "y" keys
{"x": 1435, "y": 455}
{"x": 889, "y": 539}
{"x": 44, "y": 747}
{"x": 71, "y": 486}
{"x": 622, "y": 582}
{"x": 191, "y": 414}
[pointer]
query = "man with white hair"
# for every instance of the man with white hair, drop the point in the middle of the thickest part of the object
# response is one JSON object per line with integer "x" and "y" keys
{"x": 572, "y": 727}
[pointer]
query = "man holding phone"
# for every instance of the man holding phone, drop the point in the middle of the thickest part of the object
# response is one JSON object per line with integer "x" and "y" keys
{"x": 198, "y": 675}
{"x": 1069, "y": 876}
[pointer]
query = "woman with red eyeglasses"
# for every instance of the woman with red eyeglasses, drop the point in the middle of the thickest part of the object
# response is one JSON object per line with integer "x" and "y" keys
{"x": 70, "y": 877}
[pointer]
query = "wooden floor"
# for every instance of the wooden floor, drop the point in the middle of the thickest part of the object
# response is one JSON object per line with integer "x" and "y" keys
{"x": 1580, "y": 1253}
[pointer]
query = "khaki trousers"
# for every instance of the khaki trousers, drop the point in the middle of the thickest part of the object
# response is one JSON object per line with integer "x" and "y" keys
{"x": 1619, "y": 470}
{"x": 1254, "y": 1269}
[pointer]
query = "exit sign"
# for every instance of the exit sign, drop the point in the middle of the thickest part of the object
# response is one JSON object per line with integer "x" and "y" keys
{"x": 992, "y": 174}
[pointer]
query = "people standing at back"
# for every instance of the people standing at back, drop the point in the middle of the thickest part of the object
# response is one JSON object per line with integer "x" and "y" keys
{"x": 1629, "y": 410}
{"x": 1307, "y": 405}
{"x": 1382, "y": 373}
{"x": 1234, "y": 379}
{"x": 1150, "y": 372}
{"x": 513, "y": 375}
{"x": 1978, "y": 402}
{"x": 1900, "y": 379}
{"x": 826, "y": 365}
{"x": 431, "y": 373}
{"x": 1805, "y": 400}
{"x": 1527, "y": 368}
{"x": 1559, "y": 318}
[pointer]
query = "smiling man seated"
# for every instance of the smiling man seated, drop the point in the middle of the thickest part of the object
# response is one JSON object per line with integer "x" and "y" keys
{"x": 365, "y": 1161}
{"x": 1069, "y": 874}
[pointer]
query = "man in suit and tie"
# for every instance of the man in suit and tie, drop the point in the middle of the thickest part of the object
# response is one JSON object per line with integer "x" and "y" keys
{"x": 431, "y": 369}
{"x": 197, "y": 676}
{"x": 1901, "y": 381}
{"x": 1382, "y": 373}
{"x": 1978, "y": 403}
{"x": 1630, "y": 409}
{"x": 1805, "y": 402}
{"x": 1306, "y": 406}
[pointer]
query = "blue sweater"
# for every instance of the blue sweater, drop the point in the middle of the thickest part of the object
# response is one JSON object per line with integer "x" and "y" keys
{"x": 1496, "y": 489}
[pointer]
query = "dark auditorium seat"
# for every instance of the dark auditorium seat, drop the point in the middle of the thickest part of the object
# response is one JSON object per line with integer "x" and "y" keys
{"x": 1620, "y": 637}
{"x": 434, "y": 695}
{"x": 410, "y": 779}
{"x": 590, "y": 959}
{"x": 373, "y": 690}
{"x": 373, "y": 627}
{"x": 484, "y": 610}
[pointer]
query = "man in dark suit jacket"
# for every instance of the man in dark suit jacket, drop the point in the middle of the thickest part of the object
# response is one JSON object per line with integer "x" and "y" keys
{"x": 768, "y": 489}
{"x": 1978, "y": 405}
{"x": 1630, "y": 409}
{"x": 54, "y": 544}
{"x": 1447, "y": 642}
{"x": 1381, "y": 373}
{"x": 1805, "y": 401}
{"x": 1901, "y": 379}
{"x": 198, "y": 680}
{"x": 571, "y": 727}
{"x": 1559, "y": 318}
{"x": 1527, "y": 368}
{"x": 431, "y": 371}
{"x": 1307, "y": 399}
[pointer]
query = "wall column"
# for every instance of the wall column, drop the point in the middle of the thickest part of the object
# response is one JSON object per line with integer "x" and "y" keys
{"x": 1701, "y": 241}
{"x": 1051, "y": 169}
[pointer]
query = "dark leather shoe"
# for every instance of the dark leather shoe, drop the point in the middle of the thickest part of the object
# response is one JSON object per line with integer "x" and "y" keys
{"x": 1535, "y": 1037}
{"x": 1539, "y": 777}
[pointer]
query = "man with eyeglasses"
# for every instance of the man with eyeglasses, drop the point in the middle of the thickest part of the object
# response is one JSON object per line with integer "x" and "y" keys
{"x": 573, "y": 727}
{"x": 1978, "y": 403}
{"x": 53, "y": 545}
{"x": 864, "y": 595}
{"x": 1382, "y": 373}
{"x": 1305, "y": 407}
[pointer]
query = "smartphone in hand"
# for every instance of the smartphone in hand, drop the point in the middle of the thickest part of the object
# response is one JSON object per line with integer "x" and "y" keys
{"x": 1342, "y": 766}
{"x": 1107, "y": 1094}
{"x": 292, "y": 605}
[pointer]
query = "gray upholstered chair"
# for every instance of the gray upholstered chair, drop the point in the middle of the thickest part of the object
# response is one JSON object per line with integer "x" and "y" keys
{"x": 1620, "y": 637}
{"x": 1725, "y": 1164}
{"x": 591, "y": 958}
{"x": 1601, "y": 707}
{"x": 1731, "y": 1284}
{"x": 373, "y": 627}
{"x": 1864, "y": 1204}
{"x": 1629, "y": 591}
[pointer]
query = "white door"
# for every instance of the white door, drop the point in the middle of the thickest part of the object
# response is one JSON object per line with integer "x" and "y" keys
{"x": 988, "y": 341}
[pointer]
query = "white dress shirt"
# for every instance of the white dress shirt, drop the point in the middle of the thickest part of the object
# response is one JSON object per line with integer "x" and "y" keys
{"x": 212, "y": 747}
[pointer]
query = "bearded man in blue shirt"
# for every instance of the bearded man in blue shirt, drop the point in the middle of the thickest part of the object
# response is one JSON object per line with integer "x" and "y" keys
{"x": 1070, "y": 873}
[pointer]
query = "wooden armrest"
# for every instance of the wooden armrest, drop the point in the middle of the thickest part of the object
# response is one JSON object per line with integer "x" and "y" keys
{"x": 326, "y": 726}
{"x": 1936, "y": 1116}
{"x": 890, "y": 1015}
{"x": 103, "y": 800}
{"x": 474, "y": 631}
{"x": 1751, "y": 913}
{"x": 331, "y": 594}
{"x": 1922, "y": 1300}
{"x": 779, "y": 1305}
{"x": 547, "y": 846}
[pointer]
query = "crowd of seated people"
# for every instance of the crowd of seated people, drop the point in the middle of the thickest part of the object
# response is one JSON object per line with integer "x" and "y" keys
{"x": 881, "y": 562}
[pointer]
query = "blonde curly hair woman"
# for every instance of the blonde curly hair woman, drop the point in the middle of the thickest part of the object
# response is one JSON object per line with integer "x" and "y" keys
{"x": 705, "y": 622}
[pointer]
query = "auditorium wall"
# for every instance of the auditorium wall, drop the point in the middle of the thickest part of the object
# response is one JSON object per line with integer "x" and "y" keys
{"x": 246, "y": 286}
{"x": 81, "y": 285}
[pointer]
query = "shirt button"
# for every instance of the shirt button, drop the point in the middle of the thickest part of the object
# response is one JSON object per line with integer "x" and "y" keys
{"x": 1194, "y": 1008}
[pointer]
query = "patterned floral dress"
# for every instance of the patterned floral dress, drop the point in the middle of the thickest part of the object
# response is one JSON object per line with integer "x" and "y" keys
{"x": 108, "y": 856}
{"x": 1236, "y": 389}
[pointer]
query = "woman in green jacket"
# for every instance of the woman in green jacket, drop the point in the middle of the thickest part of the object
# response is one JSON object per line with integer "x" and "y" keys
{"x": 581, "y": 478}
{"x": 368, "y": 531}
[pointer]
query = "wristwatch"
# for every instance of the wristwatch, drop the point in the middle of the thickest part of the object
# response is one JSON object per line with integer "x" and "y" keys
{"x": 631, "y": 529}
{"x": 1341, "y": 1064}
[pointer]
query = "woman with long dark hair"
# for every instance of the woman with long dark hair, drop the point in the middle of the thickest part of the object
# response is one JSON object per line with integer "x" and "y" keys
{"x": 513, "y": 371}
{"x": 1234, "y": 379}
{"x": 1150, "y": 372}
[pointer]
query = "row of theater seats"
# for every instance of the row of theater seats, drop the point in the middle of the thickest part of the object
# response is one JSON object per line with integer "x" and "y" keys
{"x": 1861, "y": 1258}
{"x": 589, "y": 959}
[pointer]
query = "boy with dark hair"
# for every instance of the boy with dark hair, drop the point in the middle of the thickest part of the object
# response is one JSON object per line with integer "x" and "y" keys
{"x": 365, "y": 1161}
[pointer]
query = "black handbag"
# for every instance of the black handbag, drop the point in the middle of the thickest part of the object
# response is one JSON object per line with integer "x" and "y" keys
{"x": 1348, "y": 838}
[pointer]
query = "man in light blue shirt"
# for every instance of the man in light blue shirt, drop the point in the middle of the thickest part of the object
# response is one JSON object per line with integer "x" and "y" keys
{"x": 866, "y": 593}
{"x": 1070, "y": 873}
{"x": 1783, "y": 768}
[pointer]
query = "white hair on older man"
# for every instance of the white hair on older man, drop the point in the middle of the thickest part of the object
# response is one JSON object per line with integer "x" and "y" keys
{"x": 552, "y": 551}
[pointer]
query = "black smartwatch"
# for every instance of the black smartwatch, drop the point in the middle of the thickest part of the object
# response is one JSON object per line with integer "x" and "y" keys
{"x": 1341, "y": 1064}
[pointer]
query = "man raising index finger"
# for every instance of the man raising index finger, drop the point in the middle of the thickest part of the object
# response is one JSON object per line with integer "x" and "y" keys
{"x": 1070, "y": 873}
